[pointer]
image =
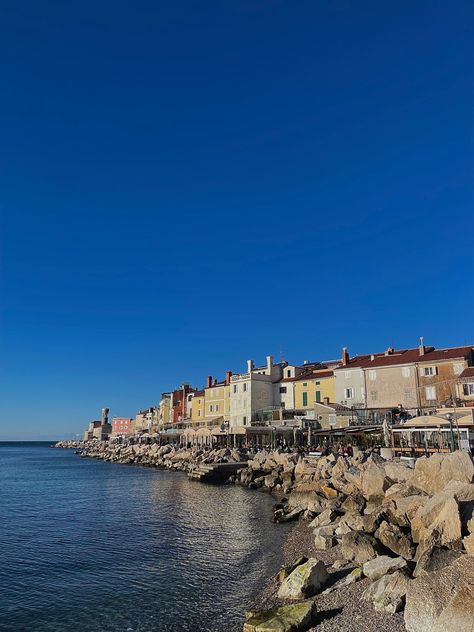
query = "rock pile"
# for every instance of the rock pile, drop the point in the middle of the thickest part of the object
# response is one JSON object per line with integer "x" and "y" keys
{"x": 409, "y": 532}
{"x": 154, "y": 455}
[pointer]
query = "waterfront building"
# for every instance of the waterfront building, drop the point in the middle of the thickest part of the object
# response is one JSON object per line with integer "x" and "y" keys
{"x": 198, "y": 407}
{"x": 143, "y": 421}
{"x": 465, "y": 386}
{"x": 121, "y": 426}
{"x": 333, "y": 415}
{"x": 284, "y": 390}
{"x": 178, "y": 404}
{"x": 253, "y": 393}
{"x": 439, "y": 371}
{"x": 406, "y": 379}
{"x": 313, "y": 386}
{"x": 164, "y": 408}
{"x": 217, "y": 400}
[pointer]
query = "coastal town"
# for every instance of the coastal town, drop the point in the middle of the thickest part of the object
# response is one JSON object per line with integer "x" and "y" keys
{"x": 370, "y": 456}
{"x": 424, "y": 395}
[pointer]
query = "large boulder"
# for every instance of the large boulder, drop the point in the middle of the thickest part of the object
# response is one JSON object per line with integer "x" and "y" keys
{"x": 305, "y": 496}
{"x": 291, "y": 618}
{"x": 306, "y": 580}
{"x": 324, "y": 519}
{"x": 440, "y": 513}
{"x": 374, "y": 482}
{"x": 432, "y": 474}
{"x": 442, "y": 600}
{"x": 394, "y": 539}
{"x": 359, "y": 547}
{"x": 387, "y": 594}
{"x": 398, "y": 472}
{"x": 383, "y": 565}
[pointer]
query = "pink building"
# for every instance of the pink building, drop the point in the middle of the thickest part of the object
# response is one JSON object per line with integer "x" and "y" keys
{"x": 122, "y": 426}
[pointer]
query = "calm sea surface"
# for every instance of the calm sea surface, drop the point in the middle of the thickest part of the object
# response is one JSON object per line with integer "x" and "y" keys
{"x": 96, "y": 547}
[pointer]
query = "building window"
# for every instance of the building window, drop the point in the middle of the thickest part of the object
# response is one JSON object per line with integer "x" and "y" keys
{"x": 217, "y": 408}
{"x": 458, "y": 368}
{"x": 305, "y": 383}
{"x": 349, "y": 393}
{"x": 428, "y": 370}
{"x": 406, "y": 371}
{"x": 317, "y": 383}
{"x": 245, "y": 420}
{"x": 245, "y": 386}
{"x": 199, "y": 413}
{"x": 288, "y": 373}
{"x": 318, "y": 396}
{"x": 373, "y": 396}
{"x": 282, "y": 389}
{"x": 211, "y": 408}
{"x": 468, "y": 389}
{"x": 430, "y": 392}
{"x": 235, "y": 388}
{"x": 283, "y": 404}
{"x": 372, "y": 376}
{"x": 305, "y": 398}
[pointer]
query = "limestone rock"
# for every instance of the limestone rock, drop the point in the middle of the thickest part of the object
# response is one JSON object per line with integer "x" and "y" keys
{"x": 442, "y": 600}
{"x": 383, "y": 565}
{"x": 432, "y": 474}
{"x": 440, "y": 513}
{"x": 468, "y": 543}
{"x": 388, "y": 593}
{"x": 398, "y": 472}
{"x": 359, "y": 547}
{"x": 291, "y": 618}
{"x": 324, "y": 537}
{"x": 374, "y": 482}
{"x": 431, "y": 557}
{"x": 394, "y": 539}
{"x": 306, "y": 580}
{"x": 325, "y": 518}
{"x": 353, "y": 504}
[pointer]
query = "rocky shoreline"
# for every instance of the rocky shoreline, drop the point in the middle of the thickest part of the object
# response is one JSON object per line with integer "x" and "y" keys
{"x": 376, "y": 544}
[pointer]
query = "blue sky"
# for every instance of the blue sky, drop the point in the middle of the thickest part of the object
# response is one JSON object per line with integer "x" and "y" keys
{"x": 185, "y": 185}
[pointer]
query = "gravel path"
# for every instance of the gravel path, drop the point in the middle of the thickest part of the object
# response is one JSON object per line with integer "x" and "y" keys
{"x": 340, "y": 611}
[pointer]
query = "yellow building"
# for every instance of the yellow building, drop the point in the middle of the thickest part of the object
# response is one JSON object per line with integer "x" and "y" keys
{"x": 317, "y": 386}
{"x": 217, "y": 399}
{"x": 164, "y": 408}
{"x": 198, "y": 407}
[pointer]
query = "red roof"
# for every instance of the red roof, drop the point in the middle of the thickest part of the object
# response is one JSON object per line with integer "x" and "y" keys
{"x": 309, "y": 375}
{"x": 469, "y": 372}
{"x": 406, "y": 356}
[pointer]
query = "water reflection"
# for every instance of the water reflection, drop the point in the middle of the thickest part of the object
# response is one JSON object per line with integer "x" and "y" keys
{"x": 87, "y": 545}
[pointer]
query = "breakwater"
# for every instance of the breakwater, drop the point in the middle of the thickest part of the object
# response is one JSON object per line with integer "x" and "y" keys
{"x": 393, "y": 533}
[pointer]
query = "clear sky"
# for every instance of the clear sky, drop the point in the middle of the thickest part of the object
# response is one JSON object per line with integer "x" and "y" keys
{"x": 185, "y": 185}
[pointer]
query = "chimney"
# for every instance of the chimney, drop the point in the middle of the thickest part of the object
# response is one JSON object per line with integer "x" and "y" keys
{"x": 345, "y": 356}
{"x": 326, "y": 400}
{"x": 422, "y": 346}
{"x": 215, "y": 381}
{"x": 249, "y": 366}
{"x": 305, "y": 361}
{"x": 389, "y": 351}
{"x": 372, "y": 357}
{"x": 209, "y": 381}
{"x": 269, "y": 365}
{"x": 228, "y": 375}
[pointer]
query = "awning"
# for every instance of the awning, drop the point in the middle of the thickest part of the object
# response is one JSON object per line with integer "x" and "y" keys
{"x": 203, "y": 432}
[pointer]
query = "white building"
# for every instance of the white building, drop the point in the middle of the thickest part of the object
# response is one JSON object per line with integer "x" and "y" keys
{"x": 284, "y": 390}
{"x": 253, "y": 391}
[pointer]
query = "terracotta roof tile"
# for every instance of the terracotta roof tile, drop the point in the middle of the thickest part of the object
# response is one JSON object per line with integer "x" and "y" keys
{"x": 406, "y": 356}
